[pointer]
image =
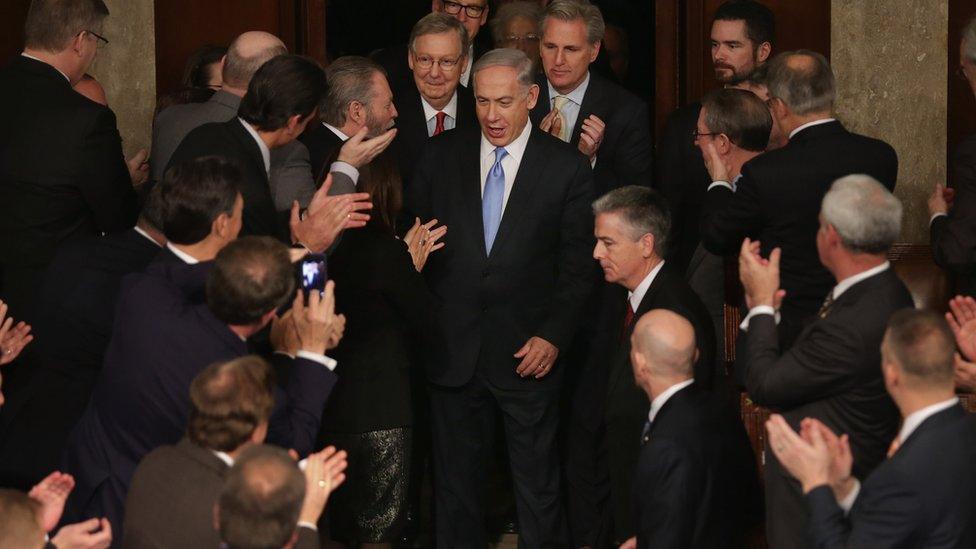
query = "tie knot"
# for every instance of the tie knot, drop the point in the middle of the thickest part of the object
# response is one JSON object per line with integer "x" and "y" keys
{"x": 441, "y": 115}
{"x": 500, "y": 153}
{"x": 559, "y": 102}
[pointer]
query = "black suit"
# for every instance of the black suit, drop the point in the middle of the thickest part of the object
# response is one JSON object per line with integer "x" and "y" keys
{"x": 75, "y": 316}
{"x": 626, "y": 155}
{"x": 609, "y": 410}
{"x": 832, "y": 373}
{"x": 62, "y": 175}
{"x": 778, "y": 202}
{"x": 323, "y": 148}
{"x": 160, "y": 342}
{"x": 954, "y": 236}
{"x": 234, "y": 143}
{"x": 695, "y": 483}
{"x": 923, "y": 496}
{"x": 533, "y": 283}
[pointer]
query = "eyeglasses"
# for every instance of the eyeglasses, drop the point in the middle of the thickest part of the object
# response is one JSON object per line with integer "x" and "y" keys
{"x": 454, "y": 8}
{"x": 514, "y": 39}
{"x": 445, "y": 63}
{"x": 97, "y": 36}
{"x": 696, "y": 134}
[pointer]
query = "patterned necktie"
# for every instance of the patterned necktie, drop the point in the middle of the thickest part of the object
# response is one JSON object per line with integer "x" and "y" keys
{"x": 628, "y": 320}
{"x": 439, "y": 128}
{"x": 494, "y": 196}
{"x": 827, "y": 304}
{"x": 558, "y": 104}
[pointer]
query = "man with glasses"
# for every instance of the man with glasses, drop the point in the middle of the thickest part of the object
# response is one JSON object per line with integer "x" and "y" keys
{"x": 516, "y": 25}
{"x": 436, "y": 102}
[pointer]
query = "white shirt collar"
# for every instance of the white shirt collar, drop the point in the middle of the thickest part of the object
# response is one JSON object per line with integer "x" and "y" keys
{"x": 515, "y": 149}
{"x": 809, "y": 124}
{"x": 187, "y": 258}
{"x": 145, "y": 234}
{"x": 637, "y": 295}
{"x": 660, "y": 399}
{"x": 265, "y": 151}
{"x": 450, "y": 109}
{"x": 336, "y": 131}
{"x": 846, "y": 284}
{"x": 225, "y": 457}
{"x": 917, "y": 418}
{"x": 48, "y": 64}
{"x": 576, "y": 96}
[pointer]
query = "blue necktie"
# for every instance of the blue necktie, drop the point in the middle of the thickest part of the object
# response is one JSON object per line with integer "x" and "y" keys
{"x": 646, "y": 433}
{"x": 494, "y": 196}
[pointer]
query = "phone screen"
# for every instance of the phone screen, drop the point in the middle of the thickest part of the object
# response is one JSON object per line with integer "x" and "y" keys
{"x": 313, "y": 273}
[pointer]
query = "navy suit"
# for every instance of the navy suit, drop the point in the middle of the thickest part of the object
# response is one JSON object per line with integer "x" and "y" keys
{"x": 162, "y": 339}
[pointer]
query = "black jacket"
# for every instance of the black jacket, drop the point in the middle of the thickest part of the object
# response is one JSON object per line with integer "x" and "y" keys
{"x": 954, "y": 236}
{"x": 539, "y": 272}
{"x": 323, "y": 148}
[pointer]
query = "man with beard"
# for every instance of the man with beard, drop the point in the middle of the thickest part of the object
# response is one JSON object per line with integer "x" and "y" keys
{"x": 359, "y": 100}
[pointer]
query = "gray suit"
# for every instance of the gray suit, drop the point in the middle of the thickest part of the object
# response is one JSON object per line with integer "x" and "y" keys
{"x": 291, "y": 172}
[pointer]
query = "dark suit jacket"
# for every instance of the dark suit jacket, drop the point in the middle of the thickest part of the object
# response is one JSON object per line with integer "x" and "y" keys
{"x": 924, "y": 496}
{"x": 233, "y": 142}
{"x": 954, "y": 236}
{"x": 412, "y": 125}
{"x": 62, "y": 175}
{"x": 539, "y": 272}
{"x": 778, "y": 202}
{"x": 172, "y": 497}
{"x": 682, "y": 179}
{"x": 831, "y": 373}
{"x": 75, "y": 316}
{"x": 626, "y": 155}
{"x": 696, "y": 483}
{"x": 160, "y": 342}
{"x": 323, "y": 148}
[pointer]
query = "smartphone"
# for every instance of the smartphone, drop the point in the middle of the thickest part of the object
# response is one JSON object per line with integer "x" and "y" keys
{"x": 312, "y": 274}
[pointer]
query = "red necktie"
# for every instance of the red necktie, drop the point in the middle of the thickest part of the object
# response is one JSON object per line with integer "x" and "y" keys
{"x": 628, "y": 320}
{"x": 439, "y": 128}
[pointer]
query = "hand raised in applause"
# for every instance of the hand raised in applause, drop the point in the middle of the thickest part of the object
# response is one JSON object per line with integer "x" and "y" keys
{"x": 315, "y": 322}
{"x": 839, "y": 448}
{"x": 591, "y": 136}
{"x": 52, "y": 493}
{"x": 324, "y": 472}
{"x": 359, "y": 150}
{"x": 423, "y": 239}
{"x": 808, "y": 462}
{"x": 327, "y": 216}
{"x": 13, "y": 337}
{"x": 760, "y": 277}
{"x": 552, "y": 123}
{"x": 940, "y": 201}
{"x": 962, "y": 320}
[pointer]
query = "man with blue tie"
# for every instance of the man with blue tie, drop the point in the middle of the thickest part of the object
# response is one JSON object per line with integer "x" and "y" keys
{"x": 510, "y": 286}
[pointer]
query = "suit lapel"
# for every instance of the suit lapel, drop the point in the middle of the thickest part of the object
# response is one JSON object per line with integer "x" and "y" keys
{"x": 526, "y": 182}
{"x": 469, "y": 166}
{"x": 591, "y": 105}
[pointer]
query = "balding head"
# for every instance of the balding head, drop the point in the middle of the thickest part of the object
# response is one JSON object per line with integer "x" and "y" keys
{"x": 662, "y": 349}
{"x": 803, "y": 81}
{"x": 246, "y": 54}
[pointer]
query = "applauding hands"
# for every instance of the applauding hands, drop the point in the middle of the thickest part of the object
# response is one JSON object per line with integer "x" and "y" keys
{"x": 422, "y": 239}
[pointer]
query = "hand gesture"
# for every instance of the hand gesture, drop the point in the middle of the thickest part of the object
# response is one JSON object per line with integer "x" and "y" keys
{"x": 92, "y": 534}
{"x": 552, "y": 123}
{"x": 939, "y": 199}
{"x": 359, "y": 151}
{"x": 327, "y": 216}
{"x": 13, "y": 338}
{"x": 809, "y": 462}
{"x": 314, "y": 323}
{"x": 338, "y": 330}
{"x": 629, "y": 544}
{"x": 962, "y": 320}
{"x": 718, "y": 170}
{"x": 538, "y": 357}
{"x": 841, "y": 459}
{"x": 760, "y": 277}
{"x": 51, "y": 493}
{"x": 965, "y": 374}
{"x": 324, "y": 472}
{"x": 592, "y": 136}
{"x": 422, "y": 240}
{"x": 284, "y": 335}
{"x": 138, "y": 167}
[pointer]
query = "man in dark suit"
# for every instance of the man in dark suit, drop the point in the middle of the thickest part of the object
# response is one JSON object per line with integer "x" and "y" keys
{"x": 831, "y": 372}
{"x": 511, "y": 282}
{"x": 742, "y": 35}
{"x": 777, "y": 199}
{"x": 75, "y": 317}
{"x": 952, "y": 224}
{"x": 606, "y": 123}
{"x": 357, "y": 108}
{"x": 695, "y": 483}
{"x": 434, "y": 102}
{"x": 632, "y": 224}
{"x": 163, "y": 336}
{"x": 924, "y": 494}
{"x": 173, "y": 491}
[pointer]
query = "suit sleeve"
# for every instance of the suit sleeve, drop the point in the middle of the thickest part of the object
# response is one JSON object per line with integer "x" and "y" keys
{"x": 299, "y": 402}
{"x": 954, "y": 236}
{"x": 417, "y": 203}
{"x": 576, "y": 267}
{"x": 884, "y": 515}
{"x": 106, "y": 186}
{"x": 668, "y": 507}
{"x": 632, "y": 163}
{"x": 729, "y": 217}
{"x": 824, "y": 362}
{"x": 291, "y": 176}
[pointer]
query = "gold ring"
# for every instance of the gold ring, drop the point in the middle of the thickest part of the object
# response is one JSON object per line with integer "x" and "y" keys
{"x": 321, "y": 484}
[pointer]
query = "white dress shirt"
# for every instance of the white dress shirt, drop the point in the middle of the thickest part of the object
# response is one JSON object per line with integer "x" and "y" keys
{"x": 46, "y": 63}
{"x": 660, "y": 399}
{"x": 733, "y": 186}
{"x": 466, "y": 75}
{"x": 511, "y": 162}
{"x": 145, "y": 234}
{"x": 430, "y": 114}
{"x": 809, "y": 124}
{"x": 572, "y": 108}
{"x": 187, "y": 258}
{"x": 637, "y": 295}
{"x": 265, "y": 151}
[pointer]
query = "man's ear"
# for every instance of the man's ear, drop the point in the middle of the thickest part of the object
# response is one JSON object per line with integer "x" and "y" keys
{"x": 533, "y": 96}
{"x": 78, "y": 42}
{"x": 763, "y": 51}
{"x": 295, "y": 123}
{"x": 647, "y": 245}
{"x": 221, "y": 225}
{"x": 596, "y": 50}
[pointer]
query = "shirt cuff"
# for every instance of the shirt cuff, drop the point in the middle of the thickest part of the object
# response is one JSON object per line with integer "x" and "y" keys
{"x": 309, "y": 525}
{"x": 848, "y": 501}
{"x": 758, "y": 310}
{"x": 936, "y": 216}
{"x": 347, "y": 169}
{"x": 329, "y": 363}
{"x": 716, "y": 184}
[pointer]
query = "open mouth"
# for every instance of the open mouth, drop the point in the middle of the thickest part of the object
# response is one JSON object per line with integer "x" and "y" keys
{"x": 496, "y": 132}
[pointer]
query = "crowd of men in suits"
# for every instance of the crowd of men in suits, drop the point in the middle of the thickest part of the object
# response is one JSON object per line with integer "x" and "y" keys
{"x": 168, "y": 370}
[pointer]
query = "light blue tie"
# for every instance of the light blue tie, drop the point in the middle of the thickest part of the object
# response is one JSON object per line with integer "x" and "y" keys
{"x": 491, "y": 201}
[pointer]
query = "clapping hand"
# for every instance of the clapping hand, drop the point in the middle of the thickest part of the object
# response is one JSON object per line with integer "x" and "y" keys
{"x": 940, "y": 201}
{"x": 324, "y": 472}
{"x": 760, "y": 277}
{"x": 315, "y": 323}
{"x": 841, "y": 459}
{"x": 423, "y": 239}
{"x": 552, "y": 123}
{"x": 962, "y": 320}
{"x": 327, "y": 216}
{"x": 808, "y": 461}
{"x": 591, "y": 136}
{"x": 965, "y": 374}
{"x": 51, "y": 493}
{"x": 358, "y": 151}
{"x": 13, "y": 338}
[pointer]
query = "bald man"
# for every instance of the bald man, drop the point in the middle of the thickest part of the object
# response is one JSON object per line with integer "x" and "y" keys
{"x": 696, "y": 483}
